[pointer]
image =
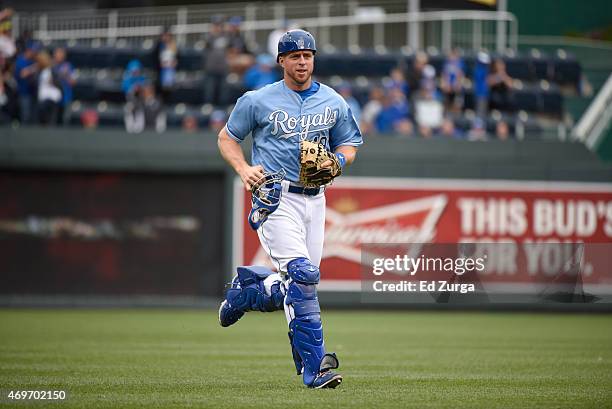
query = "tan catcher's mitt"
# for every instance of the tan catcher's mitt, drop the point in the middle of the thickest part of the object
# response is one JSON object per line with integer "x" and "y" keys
{"x": 312, "y": 155}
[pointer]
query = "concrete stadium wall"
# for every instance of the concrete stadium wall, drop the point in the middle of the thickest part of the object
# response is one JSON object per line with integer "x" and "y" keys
{"x": 178, "y": 152}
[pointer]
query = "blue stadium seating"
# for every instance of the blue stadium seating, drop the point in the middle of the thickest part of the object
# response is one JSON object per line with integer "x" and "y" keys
{"x": 101, "y": 68}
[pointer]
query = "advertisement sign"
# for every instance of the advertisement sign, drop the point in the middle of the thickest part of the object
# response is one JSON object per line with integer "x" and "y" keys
{"x": 537, "y": 223}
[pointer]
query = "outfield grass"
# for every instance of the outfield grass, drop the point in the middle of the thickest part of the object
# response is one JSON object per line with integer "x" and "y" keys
{"x": 168, "y": 359}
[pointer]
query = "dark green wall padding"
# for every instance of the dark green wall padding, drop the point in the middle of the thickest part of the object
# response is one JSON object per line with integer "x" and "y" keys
{"x": 561, "y": 17}
{"x": 37, "y": 148}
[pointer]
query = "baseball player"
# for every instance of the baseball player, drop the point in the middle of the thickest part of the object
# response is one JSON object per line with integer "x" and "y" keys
{"x": 303, "y": 133}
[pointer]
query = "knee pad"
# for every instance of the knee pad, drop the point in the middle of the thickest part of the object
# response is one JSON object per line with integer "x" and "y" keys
{"x": 252, "y": 296}
{"x": 303, "y": 271}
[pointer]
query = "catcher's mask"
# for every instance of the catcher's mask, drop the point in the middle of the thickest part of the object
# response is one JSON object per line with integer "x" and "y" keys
{"x": 265, "y": 197}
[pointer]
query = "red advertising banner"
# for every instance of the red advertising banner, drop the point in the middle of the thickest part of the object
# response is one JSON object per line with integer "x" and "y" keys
{"x": 362, "y": 211}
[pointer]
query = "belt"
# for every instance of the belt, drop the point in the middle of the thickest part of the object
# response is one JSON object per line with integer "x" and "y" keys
{"x": 308, "y": 191}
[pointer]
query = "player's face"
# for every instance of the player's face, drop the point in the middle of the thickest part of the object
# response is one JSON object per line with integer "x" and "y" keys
{"x": 298, "y": 66}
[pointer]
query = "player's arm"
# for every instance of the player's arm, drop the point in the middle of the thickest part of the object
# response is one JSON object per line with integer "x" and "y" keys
{"x": 233, "y": 155}
{"x": 349, "y": 153}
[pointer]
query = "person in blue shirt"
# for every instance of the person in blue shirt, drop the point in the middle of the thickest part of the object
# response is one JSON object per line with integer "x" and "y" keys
{"x": 394, "y": 116}
{"x": 64, "y": 72}
{"x": 481, "y": 88}
{"x": 451, "y": 82}
{"x": 25, "y": 76}
{"x": 262, "y": 73}
{"x": 133, "y": 80}
{"x": 398, "y": 80}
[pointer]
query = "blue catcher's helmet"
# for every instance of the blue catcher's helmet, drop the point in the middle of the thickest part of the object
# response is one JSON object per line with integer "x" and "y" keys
{"x": 295, "y": 40}
{"x": 265, "y": 199}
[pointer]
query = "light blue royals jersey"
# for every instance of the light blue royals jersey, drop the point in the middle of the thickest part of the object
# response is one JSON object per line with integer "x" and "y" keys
{"x": 279, "y": 120}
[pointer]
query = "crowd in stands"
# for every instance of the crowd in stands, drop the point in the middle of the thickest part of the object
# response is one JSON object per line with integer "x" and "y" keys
{"x": 36, "y": 84}
{"x": 414, "y": 100}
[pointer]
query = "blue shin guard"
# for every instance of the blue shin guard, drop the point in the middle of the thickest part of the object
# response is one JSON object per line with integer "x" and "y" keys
{"x": 253, "y": 295}
{"x": 247, "y": 293}
{"x": 306, "y": 328}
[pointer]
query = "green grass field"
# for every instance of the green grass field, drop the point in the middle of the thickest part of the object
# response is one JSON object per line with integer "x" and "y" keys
{"x": 177, "y": 358}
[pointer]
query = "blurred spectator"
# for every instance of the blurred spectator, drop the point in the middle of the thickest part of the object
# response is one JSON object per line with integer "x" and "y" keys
{"x": 393, "y": 117}
{"x": 90, "y": 119}
{"x": 239, "y": 56}
{"x": 49, "y": 90}
{"x": 237, "y": 41}
{"x": 398, "y": 80}
{"x": 414, "y": 73}
{"x": 7, "y": 45}
{"x": 8, "y": 94}
{"x": 216, "y": 64}
{"x": 217, "y": 121}
{"x": 427, "y": 88}
{"x": 371, "y": 109}
{"x": 5, "y": 14}
{"x": 448, "y": 130}
{"x": 429, "y": 115}
{"x": 347, "y": 93}
{"x": 429, "y": 111}
{"x": 500, "y": 85}
{"x": 25, "y": 76}
{"x": 154, "y": 115}
{"x": 145, "y": 111}
{"x": 262, "y": 73}
{"x": 133, "y": 79}
{"x": 22, "y": 41}
{"x": 167, "y": 60}
{"x": 190, "y": 124}
{"x": 451, "y": 81}
{"x": 64, "y": 72}
{"x": 481, "y": 88}
{"x": 275, "y": 35}
{"x": 502, "y": 132}
{"x": 478, "y": 132}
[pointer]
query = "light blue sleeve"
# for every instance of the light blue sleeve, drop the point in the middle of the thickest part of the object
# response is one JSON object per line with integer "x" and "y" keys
{"x": 345, "y": 131}
{"x": 242, "y": 119}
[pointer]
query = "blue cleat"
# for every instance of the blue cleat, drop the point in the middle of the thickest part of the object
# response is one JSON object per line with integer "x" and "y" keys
{"x": 229, "y": 315}
{"x": 327, "y": 379}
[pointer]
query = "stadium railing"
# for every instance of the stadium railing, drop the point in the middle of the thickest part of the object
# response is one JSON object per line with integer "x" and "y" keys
{"x": 346, "y": 25}
{"x": 592, "y": 127}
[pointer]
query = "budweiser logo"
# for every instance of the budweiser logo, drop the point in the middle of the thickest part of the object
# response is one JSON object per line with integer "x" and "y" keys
{"x": 390, "y": 232}
{"x": 410, "y": 221}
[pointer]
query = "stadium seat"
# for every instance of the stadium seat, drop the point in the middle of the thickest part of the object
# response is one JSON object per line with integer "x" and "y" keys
{"x": 567, "y": 72}
{"x": 353, "y": 65}
{"x": 193, "y": 94}
{"x": 551, "y": 101}
{"x": 526, "y": 99}
{"x": 112, "y": 116}
{"x": 232, "y": 90}
{"x": 541, "y": 65}
{"x": 190, "y": 59}
{"x": 85, "y": 90}
{"x": 109, "y": 90}
{"x": 519, "y": 67}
